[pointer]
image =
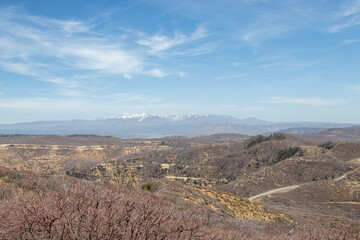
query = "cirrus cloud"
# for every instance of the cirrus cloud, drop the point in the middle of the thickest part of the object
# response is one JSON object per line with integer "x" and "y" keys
{"x": 316, "y": 102}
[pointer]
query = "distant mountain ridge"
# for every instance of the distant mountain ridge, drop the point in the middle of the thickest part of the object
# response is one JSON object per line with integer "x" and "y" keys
{"x": 350, "y": 134}
{"x": 144, "y": 125}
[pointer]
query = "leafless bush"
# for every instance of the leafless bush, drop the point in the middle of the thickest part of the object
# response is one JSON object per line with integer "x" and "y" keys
{"x": 67, "y": 208}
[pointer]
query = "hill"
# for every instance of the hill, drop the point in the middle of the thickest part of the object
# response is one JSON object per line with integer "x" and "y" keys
{"x": 214, "y": 172}
{"x": 155, "y": 126}
{"x": 349, "y": 134}
{"x": 38, "y": 207}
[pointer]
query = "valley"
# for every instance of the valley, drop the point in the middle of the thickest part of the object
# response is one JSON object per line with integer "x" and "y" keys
{"x": 281, "y": 178}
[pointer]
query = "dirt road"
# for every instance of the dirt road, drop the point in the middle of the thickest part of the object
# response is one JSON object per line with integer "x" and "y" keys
{"x": 292, "y": 187}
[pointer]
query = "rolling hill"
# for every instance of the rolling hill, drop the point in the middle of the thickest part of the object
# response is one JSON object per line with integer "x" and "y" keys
{"x": 152, "y": 126}
{"x": 211, "y": 173}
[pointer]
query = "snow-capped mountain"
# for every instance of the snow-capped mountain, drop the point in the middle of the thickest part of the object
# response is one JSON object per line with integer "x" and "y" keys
{"x": 141, "y": 116}
{"x": 154, "y": 125}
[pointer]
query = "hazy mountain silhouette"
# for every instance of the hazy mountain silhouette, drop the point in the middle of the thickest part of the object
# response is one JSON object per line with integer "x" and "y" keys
{"x": 147, "y": 125}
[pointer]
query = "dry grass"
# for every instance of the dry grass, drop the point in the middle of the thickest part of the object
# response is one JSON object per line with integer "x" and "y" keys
{"x": 34, "y": 207}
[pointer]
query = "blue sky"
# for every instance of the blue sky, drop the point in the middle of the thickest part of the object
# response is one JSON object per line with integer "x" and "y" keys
{"x": 271, "y": 59}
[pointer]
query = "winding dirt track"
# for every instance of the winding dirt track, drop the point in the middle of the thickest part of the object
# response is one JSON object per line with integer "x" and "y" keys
{"x": 277, "y": 190}
{"x": 292, "y": 187}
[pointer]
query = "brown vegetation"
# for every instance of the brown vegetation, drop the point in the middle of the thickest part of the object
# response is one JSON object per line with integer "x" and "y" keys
{"x": 187, "y": 175}
{"x": 34, "y": 207}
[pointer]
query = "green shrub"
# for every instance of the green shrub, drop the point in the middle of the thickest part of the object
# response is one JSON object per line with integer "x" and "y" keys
{"x": 147, "y": 187}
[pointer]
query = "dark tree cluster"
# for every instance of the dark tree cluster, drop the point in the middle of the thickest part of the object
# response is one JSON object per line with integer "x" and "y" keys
{"x": 328, "y": 145}
{"x": 287, "y": 153}
{"x": 260, "y": 138}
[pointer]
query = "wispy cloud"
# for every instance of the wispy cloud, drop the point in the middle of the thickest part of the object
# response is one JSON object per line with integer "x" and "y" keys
{"x": 159, "y": 43}
{"x": 347, "y": 17}
{"x": 348, "y": 87}
{"x": 44, "y": 104}
{"x": 69, "y": 26}
{"x": 62, "y": 81}
{"x": 316, "y": 102}
{"x": 76, "y": 102}
{"x": 350, "y": 41}
{"x": 204, "y": 48}
{"x": 230, "y": 77}
{"x": 349, "y": 9}
{"x": 129, "y": 97}
{"x": 354, "y": 21}
{"x": 356, "y": 87}
{"x": 156, "y": 72}
{"x": 69, "y": 92}
{"x": 280, "y": 20}
{"x": 257, "y": 34}
{"x": 28, "y": 43}
{"x": 25, "y": 49}
{"x": 38, "y": 46}
{"x": 108, "y": 59}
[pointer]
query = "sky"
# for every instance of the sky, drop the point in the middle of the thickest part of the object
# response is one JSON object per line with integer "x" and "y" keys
{"x": 294, "y": 60}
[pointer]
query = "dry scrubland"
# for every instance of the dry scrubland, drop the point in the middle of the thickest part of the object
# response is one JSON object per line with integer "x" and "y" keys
{"x": 193, "y": 188}
{"x": 34, "y": 207}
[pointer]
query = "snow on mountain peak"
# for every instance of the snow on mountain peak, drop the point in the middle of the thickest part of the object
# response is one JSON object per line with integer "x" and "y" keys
{"x": 141, "y": 116}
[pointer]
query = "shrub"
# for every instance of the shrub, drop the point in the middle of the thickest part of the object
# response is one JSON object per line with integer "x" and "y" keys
{"x": 260, "y": 138}
{"x": 69, "y": 208}
{"x": 73, "y": 209}
{"x": 147, "y": 187}
{"x": 287, "y": 153}
{"x": 328, "y": 145}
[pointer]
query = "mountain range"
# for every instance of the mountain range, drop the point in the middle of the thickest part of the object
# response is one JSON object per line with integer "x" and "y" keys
{"x": 149, "y": 126}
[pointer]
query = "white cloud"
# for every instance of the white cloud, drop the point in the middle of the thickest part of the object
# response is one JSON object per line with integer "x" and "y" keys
{"x": 69, "y": 26}
{"x": 156, "y": 73}
{"x": 18, "y": 67}
{"x": 350, "y": 87}
{"x": 275, "y": 20}
{"x": 75, "y": 102}
{"x": 200, "y": 32}
{"x": 128, "y": 76}
{"x": 347, "y": 17}
{"x": 159, "y": 43}
{"x": 46, "y": 48}
{"x": 354, "y": 21}
{"x": 29, "y": 45}
{"x": 44, "y": 104}
{"x": 350, "y": 41}
{"x": 195, "y": 51}
{"x": 230, "y": 77}
{"x": 105, "y": 58}
{"x": 62, "y": 81}
{"x": 350, "y": 9}
{"x": 257, "y": 34}
{"x": 316, "y": 102}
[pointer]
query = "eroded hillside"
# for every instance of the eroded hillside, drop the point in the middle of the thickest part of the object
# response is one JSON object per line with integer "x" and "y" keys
{"x": 206, "y": 167}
